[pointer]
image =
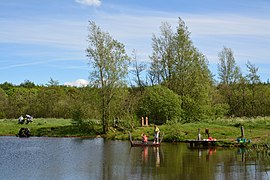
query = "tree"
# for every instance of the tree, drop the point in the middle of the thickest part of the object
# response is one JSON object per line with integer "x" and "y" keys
{"x": 228, "y": 71}
{"x": 161, "y": 69}
{"x": 109, "y": 66}
{"x": 52, "y": 82}
{"x": 28, "y": 84}
{"x": 138, "y": 68}
{"x": 178, "y": 65}
{"x": 254, "y": 80}
{"x": 229, "y": 75}
{"x": 6, "y": 86}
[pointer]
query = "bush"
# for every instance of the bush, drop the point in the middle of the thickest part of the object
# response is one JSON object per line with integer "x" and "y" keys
{"x": 160, "y": 104}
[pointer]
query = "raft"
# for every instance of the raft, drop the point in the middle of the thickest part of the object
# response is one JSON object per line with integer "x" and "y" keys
{"x": 141, "y": 144}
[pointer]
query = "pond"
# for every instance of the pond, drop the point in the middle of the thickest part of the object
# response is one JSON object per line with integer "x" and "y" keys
{"x": 76, "y": 158}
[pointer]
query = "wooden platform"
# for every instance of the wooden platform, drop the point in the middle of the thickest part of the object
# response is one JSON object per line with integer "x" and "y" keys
{"x": 201, "y": 143}
{"x": 141, "y": 144}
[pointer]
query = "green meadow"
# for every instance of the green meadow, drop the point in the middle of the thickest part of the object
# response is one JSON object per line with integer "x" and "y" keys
{"x": 226, "y": 130}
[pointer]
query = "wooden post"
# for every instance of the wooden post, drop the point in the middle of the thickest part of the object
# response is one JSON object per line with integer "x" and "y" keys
{"x": 242, "y": 132}
{"x": 142, "y": 121}
{"x": 146, "y": 121}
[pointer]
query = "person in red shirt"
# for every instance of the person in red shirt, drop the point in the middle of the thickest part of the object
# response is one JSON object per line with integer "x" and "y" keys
{"x": 144, "y": 139}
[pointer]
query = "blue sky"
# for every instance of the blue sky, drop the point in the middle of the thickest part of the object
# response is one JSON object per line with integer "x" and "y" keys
{"x": 46, "y": 39}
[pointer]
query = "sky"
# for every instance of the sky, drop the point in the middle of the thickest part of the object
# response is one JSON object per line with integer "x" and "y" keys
{"x": 46, "y": 39}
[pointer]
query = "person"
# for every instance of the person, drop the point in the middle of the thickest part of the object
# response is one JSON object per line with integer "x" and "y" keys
{"x": 144, "y": 139}
{"x": 156, "y": 134}
{"x": 29, "y": 118}
{"x": 20, "y": 120}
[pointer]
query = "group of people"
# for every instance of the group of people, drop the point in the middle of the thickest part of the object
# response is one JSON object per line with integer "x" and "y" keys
{"x": 156, "y": 136}
{"x": 27, "y": 119}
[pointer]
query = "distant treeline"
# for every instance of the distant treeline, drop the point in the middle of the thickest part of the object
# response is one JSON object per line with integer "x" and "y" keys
{"x": 157, "y": 102}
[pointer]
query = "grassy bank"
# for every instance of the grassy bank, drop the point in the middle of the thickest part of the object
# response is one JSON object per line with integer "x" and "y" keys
{"x": 227, "y": 130}
{"x": 45, "y": 127}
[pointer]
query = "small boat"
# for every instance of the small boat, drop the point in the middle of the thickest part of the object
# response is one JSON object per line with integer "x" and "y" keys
{"x": 141, "y": 144}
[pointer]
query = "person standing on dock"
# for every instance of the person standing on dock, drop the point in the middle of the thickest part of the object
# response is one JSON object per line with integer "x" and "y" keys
{"x": 156, "y": 134}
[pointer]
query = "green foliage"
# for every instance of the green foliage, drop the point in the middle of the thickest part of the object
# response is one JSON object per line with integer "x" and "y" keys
{"x": 160, "y": 104}
{"x": 6, "y": 86}
{"x": 77, "y": 117}
{"x": 173, "y": 132}
{"x": 27, "y": 84}
{"x": 3, "y": 103}
{"x": 220, "y": 110}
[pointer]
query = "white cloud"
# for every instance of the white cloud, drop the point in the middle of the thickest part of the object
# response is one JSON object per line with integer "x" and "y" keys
{"x": 77, "y": 83}
{"x": 89, "y": 2}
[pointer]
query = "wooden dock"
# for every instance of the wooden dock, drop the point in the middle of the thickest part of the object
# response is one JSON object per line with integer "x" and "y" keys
{"x": 201, "y": 143}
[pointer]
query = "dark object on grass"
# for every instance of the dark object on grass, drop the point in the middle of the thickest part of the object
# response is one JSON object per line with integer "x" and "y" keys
{"x": 24, "y": 132}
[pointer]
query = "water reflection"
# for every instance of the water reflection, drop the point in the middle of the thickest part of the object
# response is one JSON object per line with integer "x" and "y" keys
{"x": 145, "y": 154}
{"x": 210, "y": 152}
{"x": 150, "y": 155}
{"x": 75, "y": 158}
{"x": 156, "y": 151}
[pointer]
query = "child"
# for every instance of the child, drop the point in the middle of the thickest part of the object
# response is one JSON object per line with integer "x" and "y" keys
{"x": 144, "y": 139}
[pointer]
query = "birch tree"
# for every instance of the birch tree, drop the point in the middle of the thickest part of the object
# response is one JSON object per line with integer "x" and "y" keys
{"x": 108, "y": 67}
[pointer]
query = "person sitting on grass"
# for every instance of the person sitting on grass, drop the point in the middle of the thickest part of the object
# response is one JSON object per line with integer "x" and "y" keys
{"x": 20, "y": 120}
{"x": 29, "y": 118}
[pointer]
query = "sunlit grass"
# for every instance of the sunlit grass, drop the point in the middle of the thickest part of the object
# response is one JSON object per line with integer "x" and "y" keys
{"x": 256, "y": 129}
{"x": 44, "y": 127}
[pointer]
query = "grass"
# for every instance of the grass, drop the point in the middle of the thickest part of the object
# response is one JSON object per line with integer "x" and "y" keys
{"x": 45, "y": 127}
{"x": 227, "y": 130}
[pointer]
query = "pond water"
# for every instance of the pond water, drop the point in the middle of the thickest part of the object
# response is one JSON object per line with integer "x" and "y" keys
{"x": 75, "y": 158}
